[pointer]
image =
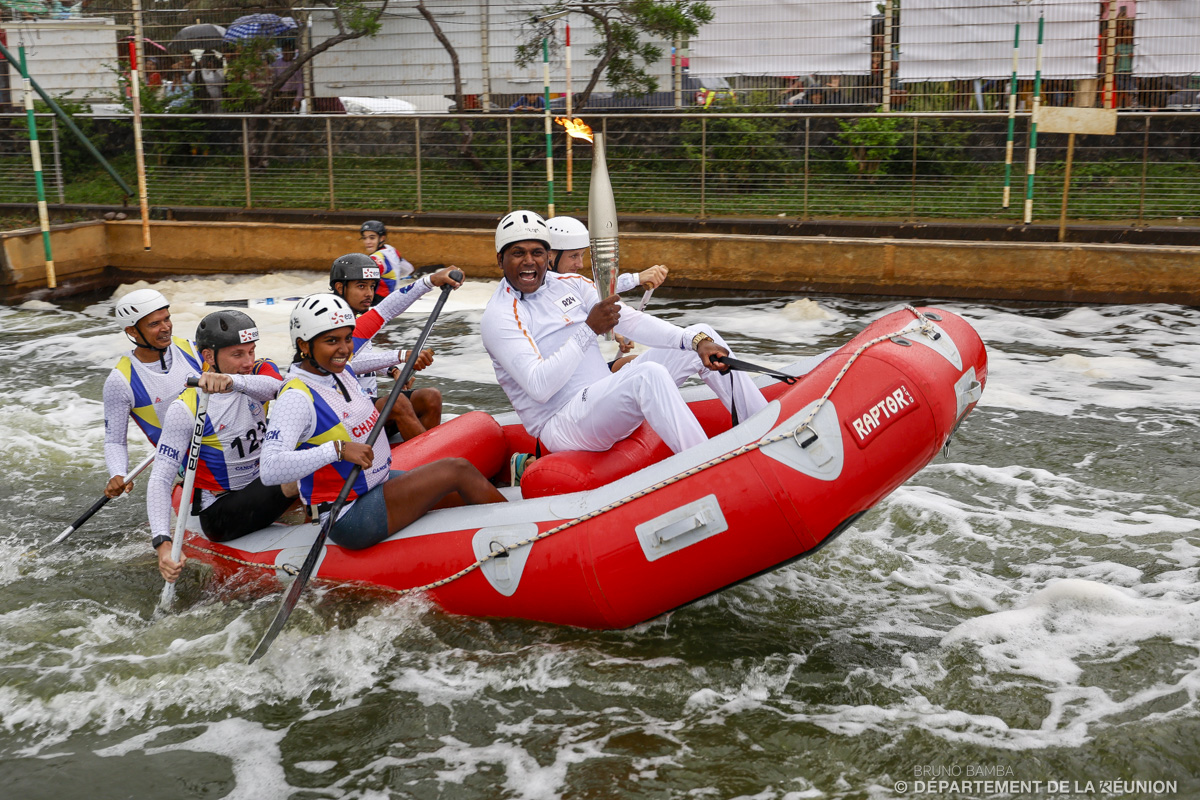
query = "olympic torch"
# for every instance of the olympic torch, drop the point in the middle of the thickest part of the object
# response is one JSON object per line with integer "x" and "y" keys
{"x": 602, "y": 225}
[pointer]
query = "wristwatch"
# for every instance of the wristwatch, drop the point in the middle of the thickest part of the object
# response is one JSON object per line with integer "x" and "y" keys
{"x": 699, "y": 339}
{"x": 158, "y": 540}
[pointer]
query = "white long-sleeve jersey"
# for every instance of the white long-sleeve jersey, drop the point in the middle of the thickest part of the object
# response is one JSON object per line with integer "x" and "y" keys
{"x": 367, "y": 359}
{"x": 143, "y": 391}
{"x": 542, "y": 350}
{"x": 307, "y": 417}
{"x": 234, "y": 432}
{"x": 627, "y": 281}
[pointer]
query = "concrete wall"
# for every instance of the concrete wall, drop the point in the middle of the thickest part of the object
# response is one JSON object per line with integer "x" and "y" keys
{"x": 88, "y": 255}
{"x": 80, "y": 259}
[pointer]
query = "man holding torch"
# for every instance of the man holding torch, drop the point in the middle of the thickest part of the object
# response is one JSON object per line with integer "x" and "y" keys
{"x": 540, "y": 330}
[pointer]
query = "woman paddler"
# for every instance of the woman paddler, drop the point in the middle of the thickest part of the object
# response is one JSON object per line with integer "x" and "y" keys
{"x": 318, "y": 427}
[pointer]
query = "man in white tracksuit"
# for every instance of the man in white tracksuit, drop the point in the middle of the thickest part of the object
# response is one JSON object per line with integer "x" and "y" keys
{"x": 540, "y": 330}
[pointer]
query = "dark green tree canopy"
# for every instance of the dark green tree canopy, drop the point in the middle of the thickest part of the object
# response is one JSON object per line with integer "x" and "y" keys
{"x": 622, "y": 55}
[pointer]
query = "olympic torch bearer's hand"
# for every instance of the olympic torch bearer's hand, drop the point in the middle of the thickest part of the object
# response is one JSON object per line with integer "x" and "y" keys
{"x": 604, "y": 315}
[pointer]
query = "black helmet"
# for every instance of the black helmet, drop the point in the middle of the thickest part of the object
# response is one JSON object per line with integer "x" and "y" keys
{"x": 353, "y": 267}
{"x": 225, "y": 329}
{"x": 374, "y": 226}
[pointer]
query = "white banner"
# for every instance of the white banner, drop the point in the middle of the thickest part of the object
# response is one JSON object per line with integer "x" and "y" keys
{"x": 1167, "y": 38}
{"x": 784, "y": 37}
{"x": 943, "y": 40}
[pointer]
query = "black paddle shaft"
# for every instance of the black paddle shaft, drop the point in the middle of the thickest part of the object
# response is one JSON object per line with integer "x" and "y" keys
{"x": 310, "y": 561}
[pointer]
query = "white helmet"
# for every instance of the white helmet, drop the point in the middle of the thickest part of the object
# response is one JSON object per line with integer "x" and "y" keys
{"x": 567, "y": 233}
{"x": 139, "y": 304}
{"x": 318, "y": 313}
{"x": 521, "y": 226}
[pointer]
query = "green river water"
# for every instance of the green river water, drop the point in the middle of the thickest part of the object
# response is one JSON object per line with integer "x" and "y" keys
{"x": 1025, "y": 611}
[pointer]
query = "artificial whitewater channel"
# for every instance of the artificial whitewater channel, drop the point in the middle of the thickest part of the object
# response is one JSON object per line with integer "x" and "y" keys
{"x": 1026, "y": 610}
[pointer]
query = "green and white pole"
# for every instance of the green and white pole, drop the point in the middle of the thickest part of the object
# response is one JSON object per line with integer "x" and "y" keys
{"x": 1012, "y": 117}
{"x": 36, "y": 151}
{"x": 546, "y": 116}
{"x": 1031, "y": 169}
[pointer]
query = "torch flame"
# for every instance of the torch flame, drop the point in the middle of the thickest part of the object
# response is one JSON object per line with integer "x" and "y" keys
{"x": 575, "y": 127}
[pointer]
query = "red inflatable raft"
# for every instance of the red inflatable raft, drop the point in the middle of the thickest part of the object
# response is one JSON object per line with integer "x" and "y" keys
{"x": 608, "y": 540}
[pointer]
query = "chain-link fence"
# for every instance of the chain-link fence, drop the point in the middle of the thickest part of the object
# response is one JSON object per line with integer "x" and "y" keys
{"x": 853, "y": 55}
{"x": 920, "y": 167}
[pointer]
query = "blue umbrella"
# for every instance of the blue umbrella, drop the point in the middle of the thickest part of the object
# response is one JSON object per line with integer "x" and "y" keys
{"x": 258, "y": 26}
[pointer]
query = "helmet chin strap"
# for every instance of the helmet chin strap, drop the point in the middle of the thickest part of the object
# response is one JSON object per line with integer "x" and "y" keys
{"x": 216, "y": 365}
{"x": 322, "y": 371}
{"x": 146, "y": 343}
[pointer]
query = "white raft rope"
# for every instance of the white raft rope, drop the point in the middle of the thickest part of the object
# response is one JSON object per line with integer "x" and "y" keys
{"x": 922, "y": 325}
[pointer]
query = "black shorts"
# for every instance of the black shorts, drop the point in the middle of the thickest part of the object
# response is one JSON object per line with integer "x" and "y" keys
{"x": 235, "y": 514}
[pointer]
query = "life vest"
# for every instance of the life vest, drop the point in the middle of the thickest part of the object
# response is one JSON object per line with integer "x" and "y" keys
{"x": 233, "y": 435}
{"x": 153, "y": 392}
{"x": 267, "y": 366}
{"x": 338, "y": 420}
{"x": 392, "y": 268}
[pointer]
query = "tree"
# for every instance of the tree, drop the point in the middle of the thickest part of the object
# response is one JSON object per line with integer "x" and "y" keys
{"x": 621, "y": 53}
{"x": 353, "y": 18}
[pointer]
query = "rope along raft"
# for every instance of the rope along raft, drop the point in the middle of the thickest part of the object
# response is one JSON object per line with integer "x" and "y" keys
{"x": 922, "y": 325}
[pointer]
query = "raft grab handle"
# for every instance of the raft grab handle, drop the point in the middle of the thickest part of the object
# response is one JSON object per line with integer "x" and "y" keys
{"x": 681, "y": 527}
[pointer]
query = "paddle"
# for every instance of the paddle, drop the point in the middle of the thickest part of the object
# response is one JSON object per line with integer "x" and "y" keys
{"x": 99, "y": 504}
{"x": 247, "y": 303}
{"x": 274, "y": 301}
{"x": 310, "y": 562}
{"x": 189, "y": 483}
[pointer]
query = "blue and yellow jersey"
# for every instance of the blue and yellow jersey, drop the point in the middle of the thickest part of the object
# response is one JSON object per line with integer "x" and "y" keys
{"x": 324, "y": 485}
{"x": 154, "y": 391}
{"x": 233, "y": 435}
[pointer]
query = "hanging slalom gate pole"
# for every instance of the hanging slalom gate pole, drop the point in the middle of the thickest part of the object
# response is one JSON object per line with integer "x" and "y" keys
{"x": 546, "y": 116}
{"x": 1012, "y": 118}
{"x": 888, "y": 15}
{"x": 36, "y": 152}
{"x": 135, "y": 85}
{"x": 1031, "y": 169}
{"x": 1110, "y": 57}
{"x": 570, "y": 165}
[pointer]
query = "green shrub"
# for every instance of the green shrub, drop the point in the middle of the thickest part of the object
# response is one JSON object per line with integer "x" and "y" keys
{"x": 870, "y": 143}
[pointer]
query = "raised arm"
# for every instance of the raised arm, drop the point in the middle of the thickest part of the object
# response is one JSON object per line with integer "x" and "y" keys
{"x": 390, "y": 307}
{"x": 651, "y": 331}
{"x": 257, "y": 387}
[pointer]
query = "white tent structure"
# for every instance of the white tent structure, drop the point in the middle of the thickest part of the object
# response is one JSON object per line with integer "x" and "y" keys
{"x": 1167, "y": 38}
{"x": 784, "y": 37}
{"x": 944, "y": 40}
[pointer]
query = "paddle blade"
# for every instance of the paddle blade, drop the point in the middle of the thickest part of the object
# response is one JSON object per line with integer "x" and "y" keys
{"x": 167, "y": 597}
{"x": 293, "y": 593}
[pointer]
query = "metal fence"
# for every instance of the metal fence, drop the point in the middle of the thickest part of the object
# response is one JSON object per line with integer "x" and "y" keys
{"x": 898, "y": 55}
{"x": 920, "y": 167}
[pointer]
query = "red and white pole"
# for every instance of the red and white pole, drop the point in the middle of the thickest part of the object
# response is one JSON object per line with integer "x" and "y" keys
{"x": 135, "y": 86}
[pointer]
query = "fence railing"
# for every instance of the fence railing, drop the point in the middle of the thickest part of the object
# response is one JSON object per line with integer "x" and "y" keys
{"x": 906, "y": 55}
{"x": 919, "y": 167}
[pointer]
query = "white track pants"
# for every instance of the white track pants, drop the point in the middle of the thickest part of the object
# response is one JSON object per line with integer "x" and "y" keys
{"x": 730, "y": 387}
{"x": 646, "y": 390}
